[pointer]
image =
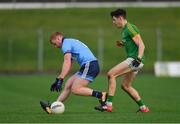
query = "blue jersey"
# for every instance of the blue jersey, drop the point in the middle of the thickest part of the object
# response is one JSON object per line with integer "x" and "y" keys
{"x": 79, "y": 51}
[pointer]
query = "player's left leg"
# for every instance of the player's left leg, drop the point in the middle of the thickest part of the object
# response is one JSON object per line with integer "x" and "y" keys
{"x": 80, "y": 87}
{"x": 84, "y": 76}
{"x": 133, "y": 93}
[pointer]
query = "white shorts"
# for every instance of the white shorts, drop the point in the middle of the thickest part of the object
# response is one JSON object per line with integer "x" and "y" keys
{"x": 134, "y": 69}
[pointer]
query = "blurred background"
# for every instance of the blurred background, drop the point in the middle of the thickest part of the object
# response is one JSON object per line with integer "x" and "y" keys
{"x": 25, "y": 27}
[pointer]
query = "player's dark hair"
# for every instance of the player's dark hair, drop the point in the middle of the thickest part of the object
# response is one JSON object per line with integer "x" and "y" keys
{"x": 119, "y": 12}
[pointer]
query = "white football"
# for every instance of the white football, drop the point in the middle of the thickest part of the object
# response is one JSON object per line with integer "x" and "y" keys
{"x": 57, "y": 107}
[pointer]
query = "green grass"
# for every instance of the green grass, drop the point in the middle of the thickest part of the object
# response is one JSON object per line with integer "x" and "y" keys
{"x": 20, "y": 96}
{"x": 21, "y": 27}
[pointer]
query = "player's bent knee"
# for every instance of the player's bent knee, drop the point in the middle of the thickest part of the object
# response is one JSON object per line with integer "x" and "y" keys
{"x": 110, "y": 75}
{"x": 75, "y": 90}
{"x": 125, "y": 87}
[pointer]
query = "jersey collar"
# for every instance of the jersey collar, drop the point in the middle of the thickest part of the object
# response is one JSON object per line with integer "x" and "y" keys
{"x": 125, "y": 25}
{"x": 63, "y": 39}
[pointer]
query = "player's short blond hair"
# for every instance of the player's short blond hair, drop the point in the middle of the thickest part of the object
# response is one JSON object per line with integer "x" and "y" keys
{"x": 54, "y": 35}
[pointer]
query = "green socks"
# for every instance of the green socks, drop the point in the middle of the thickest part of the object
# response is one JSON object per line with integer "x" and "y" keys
{"x": 110, "y": 98}
{"x": 140, "y": 103}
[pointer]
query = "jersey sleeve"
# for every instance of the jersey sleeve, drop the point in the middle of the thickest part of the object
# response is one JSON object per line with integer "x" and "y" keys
{"x": 132, "y": 30}
{"x": 66, "y": 47}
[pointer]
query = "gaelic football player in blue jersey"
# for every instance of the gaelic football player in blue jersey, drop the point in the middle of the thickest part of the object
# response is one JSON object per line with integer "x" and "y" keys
{"x": 74, "y": 50}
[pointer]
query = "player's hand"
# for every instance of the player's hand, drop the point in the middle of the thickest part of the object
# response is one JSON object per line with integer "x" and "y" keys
{"x": 57, "y": 85}
{"x": 136, "y": 62}
{"x": 119, "y": 43}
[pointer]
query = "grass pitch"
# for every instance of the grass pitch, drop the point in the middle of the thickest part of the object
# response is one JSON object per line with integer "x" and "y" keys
{"x": 20, "y": 96}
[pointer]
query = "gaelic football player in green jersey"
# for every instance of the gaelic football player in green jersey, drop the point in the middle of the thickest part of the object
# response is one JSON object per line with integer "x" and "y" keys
{"x": 134, "y": 47}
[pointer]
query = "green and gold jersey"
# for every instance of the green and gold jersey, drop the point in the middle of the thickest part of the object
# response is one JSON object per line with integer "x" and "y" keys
{"x": 128, "y": 32}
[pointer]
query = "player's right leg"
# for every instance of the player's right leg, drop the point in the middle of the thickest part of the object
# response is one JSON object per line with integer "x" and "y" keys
{"x": 46, "y": 106}
{"x": 117, "y": 70}
{"x": 67, "y": 89}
